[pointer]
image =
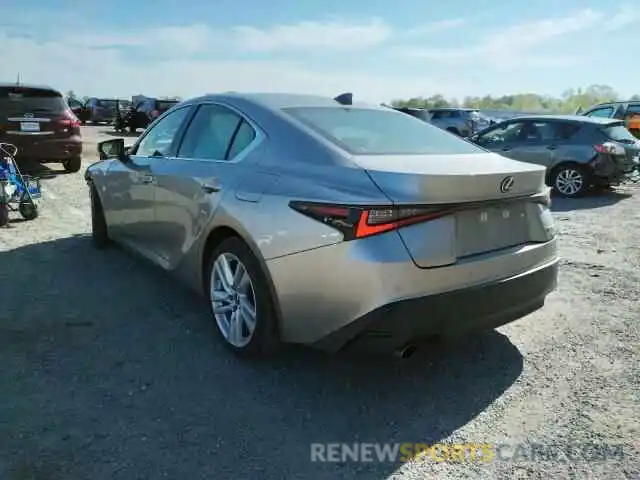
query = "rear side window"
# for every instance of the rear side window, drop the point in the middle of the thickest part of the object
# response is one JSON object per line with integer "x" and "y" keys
{"x": 107, "y": 103}
{"x": 362, "y": 131}
{"x": 605, "y": 112}
{"x": 564, "y": 131}
{"x": 619, "y": 133}
{"x": 20, "y": 100}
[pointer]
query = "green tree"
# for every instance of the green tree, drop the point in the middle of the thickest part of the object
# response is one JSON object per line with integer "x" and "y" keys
{"x": 570, "y": 100}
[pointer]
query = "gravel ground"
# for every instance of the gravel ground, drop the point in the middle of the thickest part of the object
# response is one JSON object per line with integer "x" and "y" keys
{"x": 110, "y": 369}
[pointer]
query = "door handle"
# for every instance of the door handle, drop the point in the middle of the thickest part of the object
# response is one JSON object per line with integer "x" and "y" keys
{"x": 208, "y": 188}
{"x": 551, "y": 147}
{"x": 506, "y": 148}
{"x": 148, "y": 180}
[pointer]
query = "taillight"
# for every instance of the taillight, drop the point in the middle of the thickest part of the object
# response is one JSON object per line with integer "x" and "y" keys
{"x": 69, "y": 119}
{"x": 610, "y": 148}
{"x": 360, "y": 222}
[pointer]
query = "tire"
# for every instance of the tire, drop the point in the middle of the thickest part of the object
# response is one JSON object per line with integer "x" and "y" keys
{"x": 72, "y": 165}
{"x": 132, "y": 130}
{"x": 28, "y": 209}
{"x": 264, "y": 339}
{"x": 4, "y": 214}
{"x": 99, "y": 230}
{"x": 453, "y": 130}
{"x": 570, "y": 180}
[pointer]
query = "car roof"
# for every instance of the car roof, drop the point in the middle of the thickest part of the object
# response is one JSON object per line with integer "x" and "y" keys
{"x": 568, "y": 118}
{"x": 279, "y": 101}
{"x": 27, "y": 85}
{"x": 453, "y": 109}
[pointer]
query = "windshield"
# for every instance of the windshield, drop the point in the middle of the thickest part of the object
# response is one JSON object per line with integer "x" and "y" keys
{"x": 619, "y": 133}
{"x": 20, "y": 100}
{"x": 362, "y": 131}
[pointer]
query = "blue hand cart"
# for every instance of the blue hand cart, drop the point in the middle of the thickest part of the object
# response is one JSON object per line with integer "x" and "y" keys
{"x": 16, "y": 189}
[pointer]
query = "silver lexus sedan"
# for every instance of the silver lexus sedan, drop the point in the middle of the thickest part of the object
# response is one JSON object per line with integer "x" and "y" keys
{"x": 326, "y": 222}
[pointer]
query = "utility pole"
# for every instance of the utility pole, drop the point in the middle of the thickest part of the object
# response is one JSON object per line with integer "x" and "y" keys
{"x": 18, "y": 79}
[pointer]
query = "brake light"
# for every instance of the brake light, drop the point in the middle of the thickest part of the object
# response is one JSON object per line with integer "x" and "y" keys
{"x": 69, "y": 119}
{"x": 360, "y": 222}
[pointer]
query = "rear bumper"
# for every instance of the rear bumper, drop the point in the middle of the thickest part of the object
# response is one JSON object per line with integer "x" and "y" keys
{"x": 48, "y": 150}
{"x": 454, "y": 313}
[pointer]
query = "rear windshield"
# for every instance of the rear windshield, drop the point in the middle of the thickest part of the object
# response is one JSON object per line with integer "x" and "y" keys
{"x": 20, "y": 100}
{"x": 619, "y": 133}
{"x": 362, "y": 131}
{"x": 107, "y": 103}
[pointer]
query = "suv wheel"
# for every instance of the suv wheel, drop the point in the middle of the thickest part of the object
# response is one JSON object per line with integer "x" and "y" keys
{"x": 72, "y": 165}
{"x": 570, "y": 181}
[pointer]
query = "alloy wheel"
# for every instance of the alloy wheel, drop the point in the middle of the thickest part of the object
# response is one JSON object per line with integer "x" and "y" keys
{"x": 233, "y": 300}
{"x": 569, "y": 182}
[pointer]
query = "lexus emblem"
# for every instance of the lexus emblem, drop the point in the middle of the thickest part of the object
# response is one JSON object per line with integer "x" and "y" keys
{"x": 28, "y": 115}
{"x": 506, "y": 184}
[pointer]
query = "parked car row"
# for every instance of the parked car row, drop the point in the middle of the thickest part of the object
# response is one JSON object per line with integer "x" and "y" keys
{"x": 124, "y": 115}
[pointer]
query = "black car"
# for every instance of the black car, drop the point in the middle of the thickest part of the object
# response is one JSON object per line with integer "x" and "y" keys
{"x": 145, "y": 111}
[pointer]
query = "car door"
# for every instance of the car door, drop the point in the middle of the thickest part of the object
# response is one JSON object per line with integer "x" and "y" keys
{"x": 534, "y": 143}
{"x": 502, "y": 138}
{"x": 207, "y": 165}
{"x": 129, "y": 197}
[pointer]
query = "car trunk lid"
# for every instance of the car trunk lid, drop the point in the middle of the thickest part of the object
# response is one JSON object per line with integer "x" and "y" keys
{"x": 493, "y": 202}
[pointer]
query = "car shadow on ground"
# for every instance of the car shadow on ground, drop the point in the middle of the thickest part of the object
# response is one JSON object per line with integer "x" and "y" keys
{"x": 113, "y": 133}
{"x": 590, "y": 201}
{"x": 41, "y": 170}
{"x": 111, "y": 369}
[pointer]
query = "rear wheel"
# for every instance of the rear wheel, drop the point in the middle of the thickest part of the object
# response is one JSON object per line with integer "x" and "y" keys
{"x": 99, "y": 231}
{"x": 72, "y": 165}
{"x": 570, "y": 180}
{"x": 240, "y": 301}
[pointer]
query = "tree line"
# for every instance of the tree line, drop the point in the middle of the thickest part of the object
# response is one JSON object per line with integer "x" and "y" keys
{"x": 568, "y": 102}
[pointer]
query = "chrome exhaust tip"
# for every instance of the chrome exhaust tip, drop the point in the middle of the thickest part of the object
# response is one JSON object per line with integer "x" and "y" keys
{"x": 405, "y": 352}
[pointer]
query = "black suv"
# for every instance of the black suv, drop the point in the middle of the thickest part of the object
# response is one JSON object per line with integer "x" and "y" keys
{"x": 38, "y": 121}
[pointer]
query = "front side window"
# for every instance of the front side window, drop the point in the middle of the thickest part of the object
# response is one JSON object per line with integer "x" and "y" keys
{"x": 158, "y": 140}
{"x": 364, "y": 131}
{"x": 216, "y": 133}
{"x": 502, "y": 134}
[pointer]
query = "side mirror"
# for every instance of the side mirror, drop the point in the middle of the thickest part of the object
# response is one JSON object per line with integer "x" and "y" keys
{"x": 112, "y": 149}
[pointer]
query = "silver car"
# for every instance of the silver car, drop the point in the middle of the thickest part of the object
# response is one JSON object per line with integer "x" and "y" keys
{"x": 309, "y": 220}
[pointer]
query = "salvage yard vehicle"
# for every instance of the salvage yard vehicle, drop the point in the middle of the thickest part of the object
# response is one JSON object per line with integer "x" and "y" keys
{"x": 99, "y": 110}
{"x": 579, "y": 152}
{"x": 461, "y": 121}
{"x": 144, "y": 111}
{"x": 38, "y": 121}
{"x": 627, "y": 111}
{"x": 420, "y": 113}
{"x": 329, "y": 223}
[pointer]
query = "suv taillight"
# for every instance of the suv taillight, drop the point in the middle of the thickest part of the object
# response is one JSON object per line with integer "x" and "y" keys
{"x": 69, "y": 119}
